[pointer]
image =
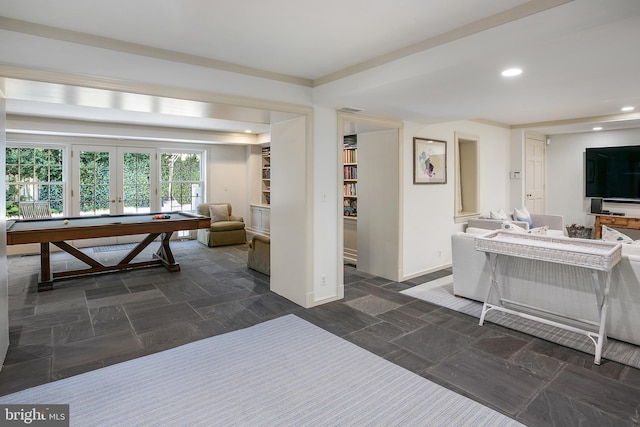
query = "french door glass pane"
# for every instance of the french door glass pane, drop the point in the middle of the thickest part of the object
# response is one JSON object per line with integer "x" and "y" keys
{"x": 137, "y": 182}
{"x": 94, "y": 183}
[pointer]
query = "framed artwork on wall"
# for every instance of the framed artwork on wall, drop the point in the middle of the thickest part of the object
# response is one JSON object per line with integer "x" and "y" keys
{"x": 429, "y": 161}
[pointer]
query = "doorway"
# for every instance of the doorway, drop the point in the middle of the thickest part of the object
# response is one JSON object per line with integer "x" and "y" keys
{"x": 534, "y": 182}
{"x": 371, "y": 239}
{"x": 113, "y": 181}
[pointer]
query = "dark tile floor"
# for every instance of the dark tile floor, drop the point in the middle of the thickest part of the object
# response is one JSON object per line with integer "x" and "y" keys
{"x": 88, "y": 323}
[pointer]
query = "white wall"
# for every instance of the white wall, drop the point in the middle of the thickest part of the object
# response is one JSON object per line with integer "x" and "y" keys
{"x": 429, "y": 209}
{"x": 326, "y": 206}
{"x": 516, "y": 186}
{"x": 226, "y": 180}
{"x": 254, "y": 174}
{"x": 565, "y": 173}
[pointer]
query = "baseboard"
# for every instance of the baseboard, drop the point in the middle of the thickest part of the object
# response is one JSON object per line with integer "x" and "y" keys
{"x": 258, "y": 231}
{"x": 422, "y": 273}
{"x": 311, "y": 298}
{"x": 350, "y": 255}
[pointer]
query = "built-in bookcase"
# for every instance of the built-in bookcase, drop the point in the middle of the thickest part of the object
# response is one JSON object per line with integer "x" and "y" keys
{"x": 350, "y": 183}
{"x": 266, "y": 175}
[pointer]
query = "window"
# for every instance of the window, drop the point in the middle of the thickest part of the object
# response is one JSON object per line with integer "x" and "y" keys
{"x": 34, "y": 174}
{"x": 181, "y": 181}
{"x": 467, "y": 197}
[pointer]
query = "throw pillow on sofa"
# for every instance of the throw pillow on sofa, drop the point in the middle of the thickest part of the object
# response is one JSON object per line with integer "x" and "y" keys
{"x": 509, "y": 226}
{"x": 219, "y": 213}
{"x": 499, "y": 214}
{"x": 611, "y": 235}
{"x": 523, "y": 215}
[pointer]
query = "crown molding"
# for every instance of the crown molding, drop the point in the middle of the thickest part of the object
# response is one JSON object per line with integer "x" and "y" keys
{"x": 491, "y": 123}
{"x": 580, "y": 120}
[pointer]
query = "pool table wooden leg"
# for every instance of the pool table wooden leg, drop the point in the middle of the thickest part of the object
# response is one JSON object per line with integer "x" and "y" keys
{"x": 46, "y": 281}
{"x": 165, "y": 255}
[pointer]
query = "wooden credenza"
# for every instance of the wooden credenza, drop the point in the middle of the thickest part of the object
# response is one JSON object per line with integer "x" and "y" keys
{"x": 614, "y": 221}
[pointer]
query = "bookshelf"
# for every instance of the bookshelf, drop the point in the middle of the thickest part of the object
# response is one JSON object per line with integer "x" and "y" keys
{"x": 350, "y": 178}
{"x": 266, "y": 175}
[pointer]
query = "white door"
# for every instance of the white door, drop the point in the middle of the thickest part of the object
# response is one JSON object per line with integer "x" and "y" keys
{"x": 113, "y": 181}
{"x": 534, "y": 173}
{"x": 290, "y": 233}
{"x": 378, "y": 235}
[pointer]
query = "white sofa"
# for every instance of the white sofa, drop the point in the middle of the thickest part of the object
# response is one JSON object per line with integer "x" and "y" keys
{"x": 554, "y": 222}
{"x": 471, "y": 277}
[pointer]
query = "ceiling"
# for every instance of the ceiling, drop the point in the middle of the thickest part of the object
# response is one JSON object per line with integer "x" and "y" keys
{"x": 421, "y": 60}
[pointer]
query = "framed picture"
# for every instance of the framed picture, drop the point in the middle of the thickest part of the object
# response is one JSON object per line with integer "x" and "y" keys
{"x": 429, "y": 161}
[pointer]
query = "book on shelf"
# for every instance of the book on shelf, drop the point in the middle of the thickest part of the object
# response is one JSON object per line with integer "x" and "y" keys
{"x": 350, "y": 172}
{"x": 350, "y": 189}
{"x": 350, "y": 155}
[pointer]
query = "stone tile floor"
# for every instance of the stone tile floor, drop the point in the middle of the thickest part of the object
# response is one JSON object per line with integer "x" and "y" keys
{"x": 89, "y": 323}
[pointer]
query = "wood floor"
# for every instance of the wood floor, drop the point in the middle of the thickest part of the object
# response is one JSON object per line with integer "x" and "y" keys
{"x": 89, "y": 323}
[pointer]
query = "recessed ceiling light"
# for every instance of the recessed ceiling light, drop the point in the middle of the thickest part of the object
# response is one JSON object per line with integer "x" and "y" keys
{"x": 629, "y": 108}
{"x": 511, "y": 72}
{"x": 247, "y": 131}
{"x": 597, "y": 128}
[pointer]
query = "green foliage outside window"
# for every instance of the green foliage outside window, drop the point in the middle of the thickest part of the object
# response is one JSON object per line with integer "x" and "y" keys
{"x": 33, "y": 174}
{"x": 137, "y": 182}
{"x": 36, "y": 174}
{"x": 180, "y": 180}
{"x": 94, "y": 182}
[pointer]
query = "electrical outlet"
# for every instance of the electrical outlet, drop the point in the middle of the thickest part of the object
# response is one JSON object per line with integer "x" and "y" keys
{"x": 323, "y": 278}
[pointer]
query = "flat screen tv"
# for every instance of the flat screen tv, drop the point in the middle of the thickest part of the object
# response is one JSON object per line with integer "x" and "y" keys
{"x": 613, "y": 172}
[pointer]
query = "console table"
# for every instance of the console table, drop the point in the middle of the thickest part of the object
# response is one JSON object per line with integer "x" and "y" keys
{"x": 597, "y": 256}
{"x": 614, "y": 221}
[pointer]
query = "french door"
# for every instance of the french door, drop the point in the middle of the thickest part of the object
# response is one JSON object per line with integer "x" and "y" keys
{"x": 112, "y": 181}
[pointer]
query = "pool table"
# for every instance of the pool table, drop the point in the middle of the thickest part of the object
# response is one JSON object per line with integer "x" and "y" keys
{"x": 58, "y": 231}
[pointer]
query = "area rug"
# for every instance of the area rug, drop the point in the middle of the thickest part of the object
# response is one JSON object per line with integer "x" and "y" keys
{"x": 112, "y": 248}
{"x": 440, "y": 292}
{"x": 284, "y": 372}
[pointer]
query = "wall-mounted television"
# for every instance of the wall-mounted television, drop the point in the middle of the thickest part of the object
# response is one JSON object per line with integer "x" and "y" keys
{"x": 613, "y": 172}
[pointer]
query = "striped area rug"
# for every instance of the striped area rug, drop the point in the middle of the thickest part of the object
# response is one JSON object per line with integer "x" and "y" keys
{"x": 440, "y": 292}
{"x": 284, "y": 372}
{"x": 112, "y": 248}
